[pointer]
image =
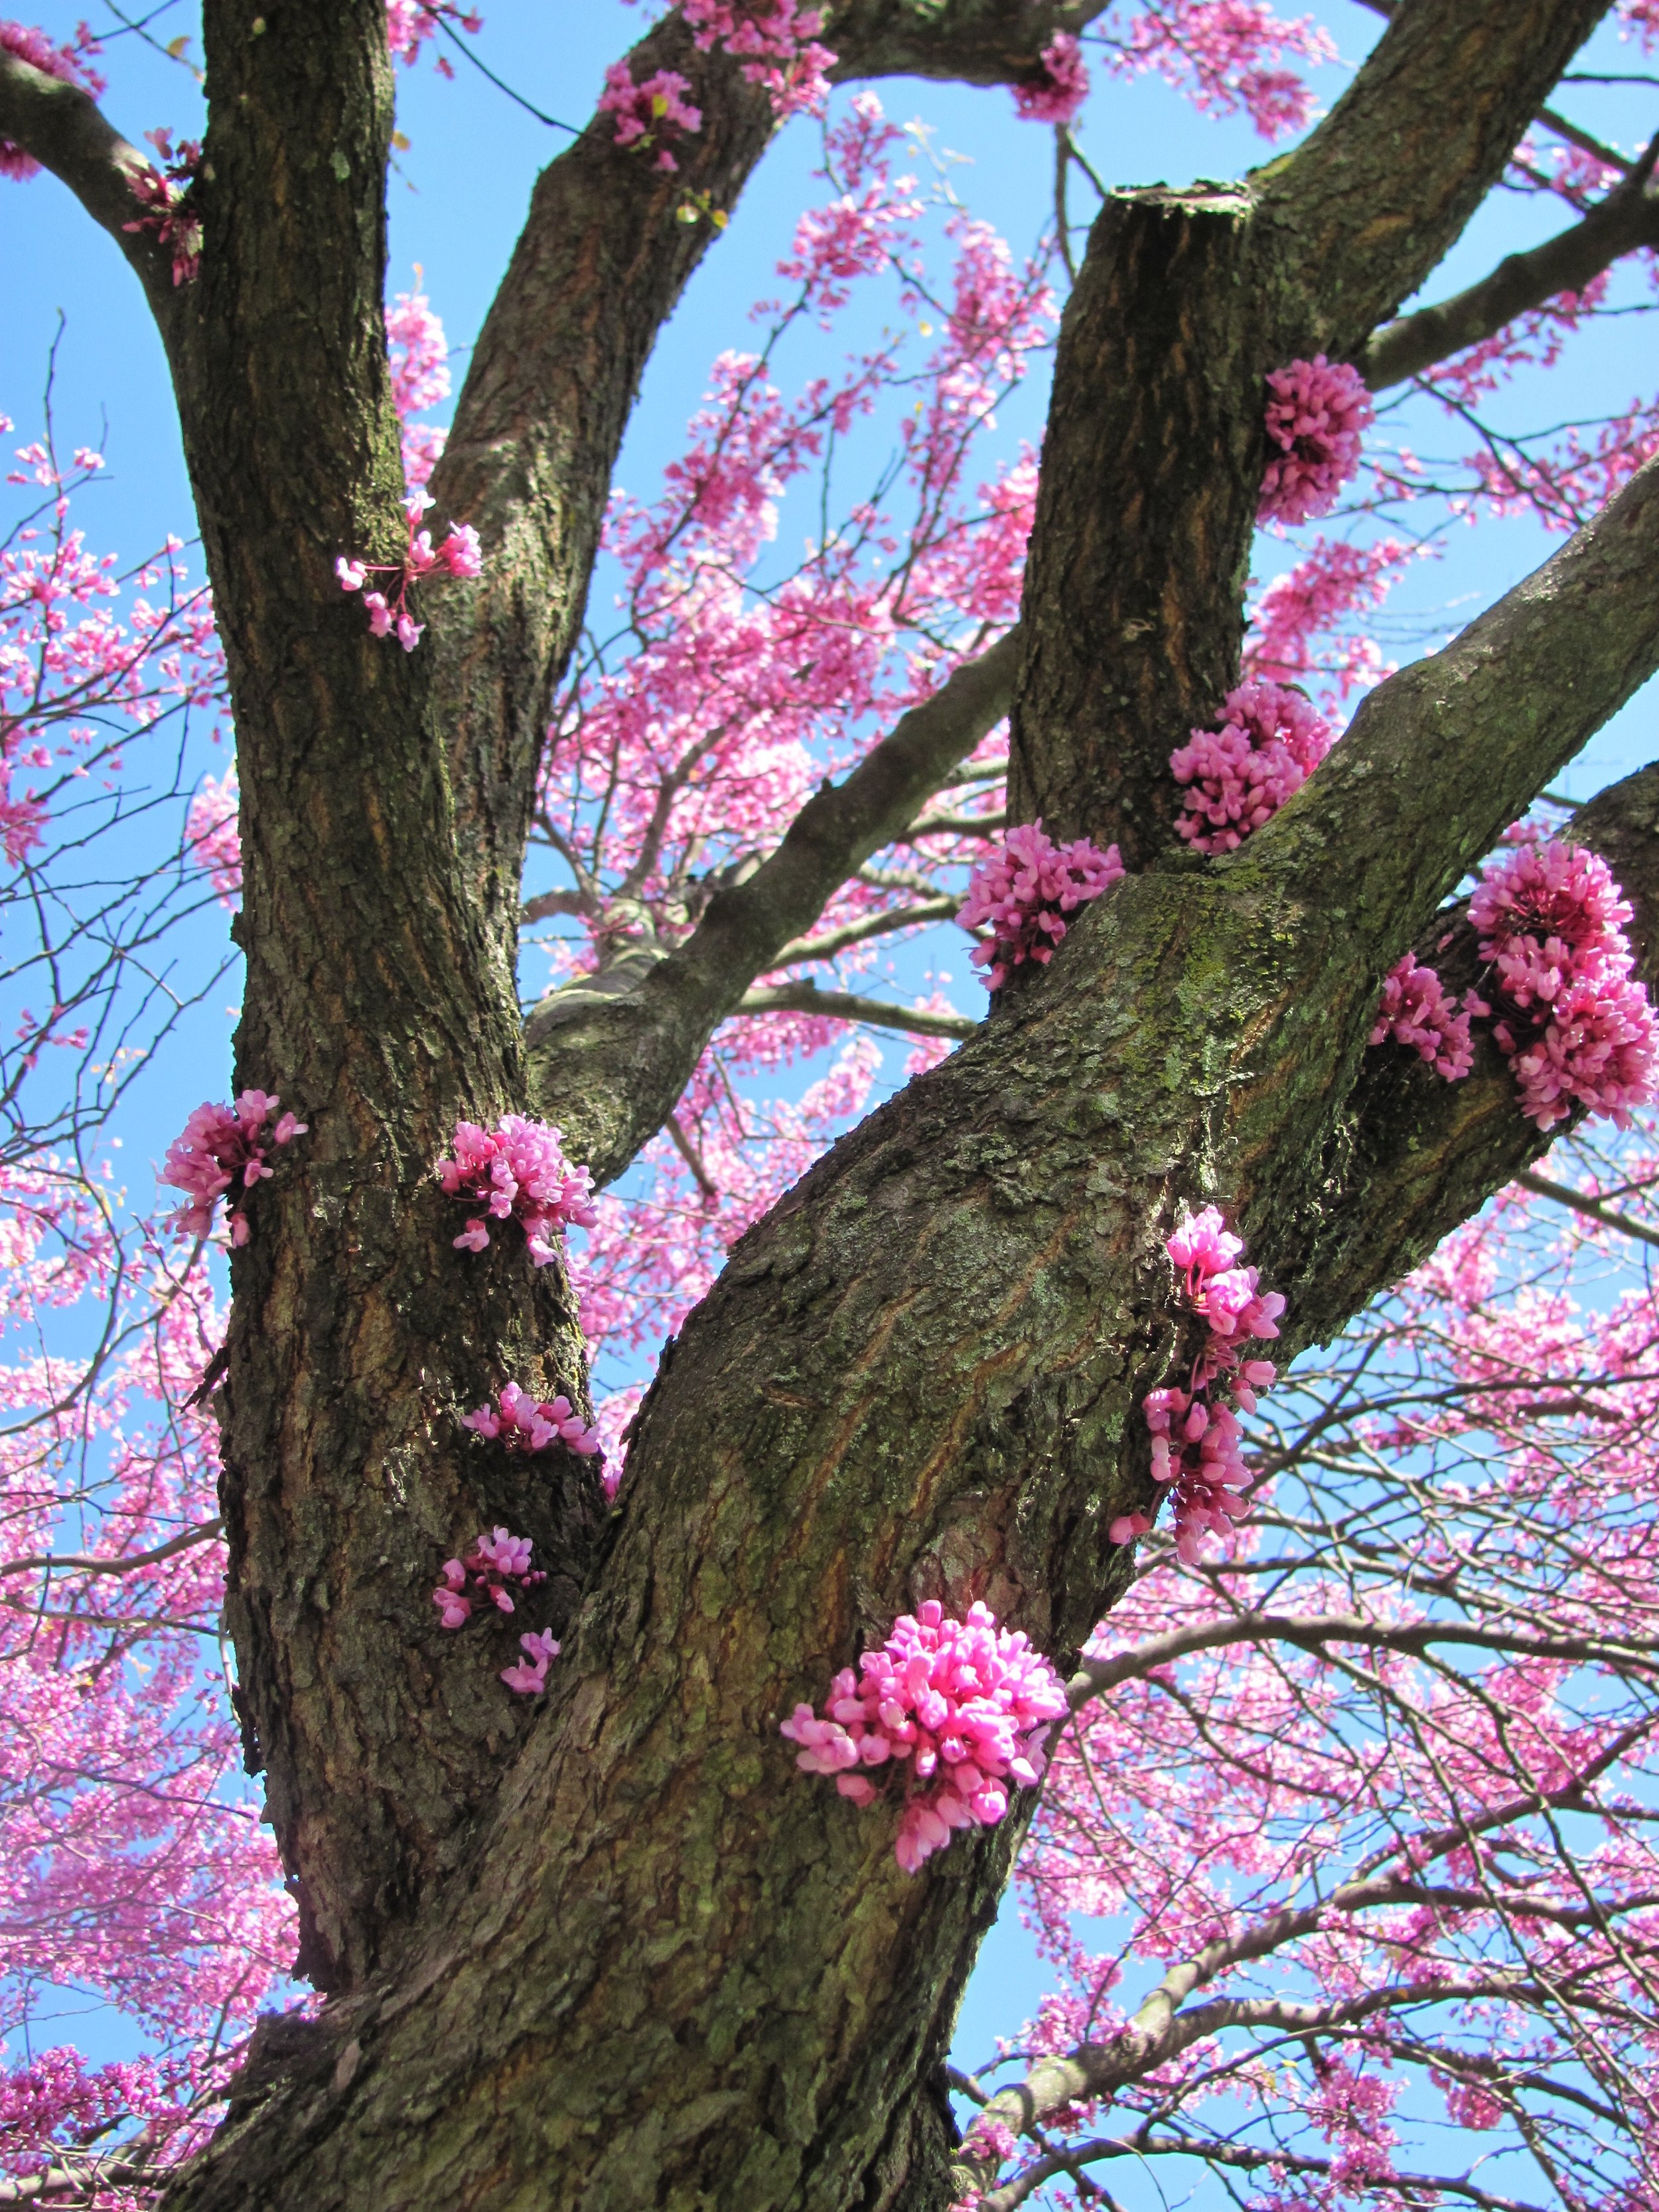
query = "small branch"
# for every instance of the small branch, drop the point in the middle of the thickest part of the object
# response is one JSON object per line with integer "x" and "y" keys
{"x": 1626, "y": 219}
{"x": 92, "y": 1563}
{"x": 1592, "y": 1208}
{"x": 866, "y": 927}
{"x": 609, "y": 1066}
{"x": 688, "y": 1151}
{"x": 805, "y": 998}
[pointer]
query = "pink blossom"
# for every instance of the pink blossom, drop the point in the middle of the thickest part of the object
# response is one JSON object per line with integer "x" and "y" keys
{"x": 1576, "y": 1025}
{"x": 213, "y": 837}
{"x": 66, "y": 62}
{"x": 1270, "y": 742}
{"x": 1416, "y": 1010}
{"x": 409, "y": 23}
{"x": 459, "y": 555}
{"x": 517, "y": 1172}
{"x": 776, "y": 42}
{"x": 1025, "y": 892}
{"x": 496, "y": 1558}
{"x": 966, "y": 1704}
{"x": 522, "y": 1423}
{"x": 219, "y": 1150}
{"x": 1063, "y": 87}
{"x": 643, "y": 110}
{"x": 418, "y": 355}
{"x": 170, "y": 216}
{"x": 529, "y": 1675}
{"x": 1197, "y": 1447}
{"x": 1314, "y": 417}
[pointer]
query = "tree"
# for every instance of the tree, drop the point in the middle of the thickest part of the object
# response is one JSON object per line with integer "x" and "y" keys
{"x": 593, "y": 1943}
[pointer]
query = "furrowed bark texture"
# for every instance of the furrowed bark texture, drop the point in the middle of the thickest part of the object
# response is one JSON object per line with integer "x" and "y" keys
{"x": 607, "y": 247}
{"x": 676, "y": 1973}
{"x": 609, "y": 1950}
{"x": 358, "y": 1335}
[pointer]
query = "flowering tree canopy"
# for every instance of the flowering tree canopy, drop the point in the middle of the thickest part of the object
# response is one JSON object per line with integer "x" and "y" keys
{"x": 1157, "y": 1436}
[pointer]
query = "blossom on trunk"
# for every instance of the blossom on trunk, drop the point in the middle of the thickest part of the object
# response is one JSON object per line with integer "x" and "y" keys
{"x": 958, "y": 1709}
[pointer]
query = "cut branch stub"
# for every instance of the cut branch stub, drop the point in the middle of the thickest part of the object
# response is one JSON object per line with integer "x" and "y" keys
{"x": 1135, "y": 594}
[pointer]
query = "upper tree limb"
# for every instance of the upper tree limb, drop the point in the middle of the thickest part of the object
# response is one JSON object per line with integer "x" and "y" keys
{"x": 602, "y": 260}
{"x": 64, "y": 130}
{"x": 1627, "y": 219}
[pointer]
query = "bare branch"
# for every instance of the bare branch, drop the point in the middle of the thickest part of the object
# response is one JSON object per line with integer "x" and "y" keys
{"x": 1626, "y": 219}
{"x": 805, "y": 998}
{"x": 611, "y": 1057}
{"x": 826, "y": 946}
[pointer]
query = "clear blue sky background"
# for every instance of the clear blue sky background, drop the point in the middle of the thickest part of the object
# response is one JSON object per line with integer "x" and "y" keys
{"x": 457, "y": 204}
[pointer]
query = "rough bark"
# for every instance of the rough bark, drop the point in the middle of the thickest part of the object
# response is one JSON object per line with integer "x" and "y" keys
{"x": 613, "y": 1953}
{"x": 1133, "y": 604}
{"x": 672, "y": 1974}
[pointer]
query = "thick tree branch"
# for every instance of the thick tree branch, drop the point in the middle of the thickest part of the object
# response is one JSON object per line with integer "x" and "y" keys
{"x": 1380, "y": 190}
{"x": 64, "y": 130}
{"x": 805, "y": 998}
{"x": 1628, "y": 218}
{"x": 610, "y": 1063}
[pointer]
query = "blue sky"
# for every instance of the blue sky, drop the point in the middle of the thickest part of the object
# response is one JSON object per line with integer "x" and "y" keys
{"x": 457, "y": 203}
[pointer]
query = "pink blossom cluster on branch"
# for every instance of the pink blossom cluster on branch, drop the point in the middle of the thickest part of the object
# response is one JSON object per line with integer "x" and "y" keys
{"x": 521, "y": 1423}
{"x": 776, "y": 42}
{"x": 1197, "y": 1448}
{"x": 212, "y": 837}
{"x": 516, "y": 1171}
{"x": 1316, "y": 412}
{"x": 1056, "y": 96}
{"x": 459, "y": 555}
{"x": 411, "y": 23}
{"x": 1576, "y": 1025}
{"x": 418, "y": 353}
{"x": 1225, "y": 56}
{"x": 68, "y": 63}
{"x": 1295, "y": 637}
{"x": 645, "y": 110}
{"x": 1416, "y": 1010}
{"x": 1270, "y": 742}
{"x": 220, "y": 1149}
{"x": 956, "y": 1709}
{"x": 170, "y": 217}
{"x": 1023, "y": 892}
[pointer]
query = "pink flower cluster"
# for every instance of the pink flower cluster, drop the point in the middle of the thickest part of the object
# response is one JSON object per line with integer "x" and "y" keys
{"x": 497, "y": 1559}
{"x": 169, "y": 217}
{"x": 66, "y": 62}
{"x": 409, "y": 23}
{"x": 1270, "y": 742}
{"x": 1576, "y": 1026}
{"x": 643, "y": 111}
{"x": 1063, "y": 87}
{"x": 518, "y": 1171}
{"x": 523, "y": 1424}
{"x": 968, "y": 1704}
{"x": 776, "y": 42}
{"x": 1026, "y": 891}
{"x": 459, "y": 555}
{"x": 1196, "y": 1444}
{"x": 222, "y": 1148}
{"x": 1314, "y": 417}
{"x": 1416, "y": 1010}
